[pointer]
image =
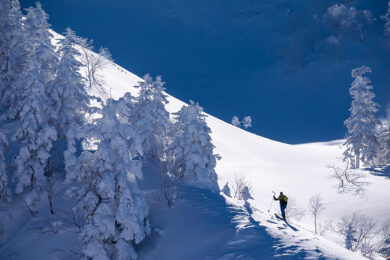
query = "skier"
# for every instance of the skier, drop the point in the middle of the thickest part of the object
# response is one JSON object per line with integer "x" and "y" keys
{"x": 283, "y": 203}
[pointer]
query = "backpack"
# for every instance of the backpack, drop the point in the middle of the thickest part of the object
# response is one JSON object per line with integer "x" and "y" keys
{"x": 285, "y": 199}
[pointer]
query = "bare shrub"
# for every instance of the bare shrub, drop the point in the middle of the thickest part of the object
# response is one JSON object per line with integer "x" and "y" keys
{"x": 358, "y": 231}
{"x": 323, "y": 228}
{"x": 316, "y": 207}
{"x": 93, "y": 63}
{"x": 241, "y": 187}
{"x": 348, "y": 180}
{"x": 293, "y": 211}
{"x": 384, "y": 245}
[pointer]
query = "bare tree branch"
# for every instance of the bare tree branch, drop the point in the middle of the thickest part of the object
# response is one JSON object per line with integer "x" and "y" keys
{"x": 315, "y": 208}
{"x": 358, "y": 231}
{"x": 348, "y": 180}
{"x": 240, "y": 182}
{"x": 293, "y": 211}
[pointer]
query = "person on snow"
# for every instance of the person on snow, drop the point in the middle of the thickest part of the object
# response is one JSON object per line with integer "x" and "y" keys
{"x": 283, "y": 203}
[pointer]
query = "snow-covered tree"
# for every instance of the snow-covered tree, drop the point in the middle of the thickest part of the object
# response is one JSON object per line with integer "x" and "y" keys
{"x": 41, "y": 57}
{"x": 150, "y": 117}
{"x": 247, "y": 122}
{"x": 342, "y": 18}
{"x": 339, "y": 17}
{"x": 70, "y": 101}
{"x": 361, "y": 138}
{"x": 113, "y": 207}
{"x": 69, "y": 97}
{"x": 5, "y": 192}
{"x": 32, "y": 108}
{"x": 363, "y": 18}
{"x": 190, "y": 155}
{"x": 384, "y": 141}
{"x": 93, "y": 63}
{"x": 386, "y": 18}
{"x": 12, "y": 49}
{"x": 236, "y": 121}
{"x": 35, "y": 134}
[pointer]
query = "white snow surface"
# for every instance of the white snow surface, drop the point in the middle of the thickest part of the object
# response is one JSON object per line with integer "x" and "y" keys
{"x": 300, "y": 171}
{"x": 205, "y": 225}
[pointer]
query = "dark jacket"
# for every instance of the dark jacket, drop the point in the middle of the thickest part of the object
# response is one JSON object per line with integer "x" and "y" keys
{"x": 282, "y": 200}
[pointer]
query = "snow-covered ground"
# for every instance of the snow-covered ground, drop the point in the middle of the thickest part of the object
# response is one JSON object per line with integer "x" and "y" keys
{"x": 203, "y": 225}
{"x": 300, "y": 171}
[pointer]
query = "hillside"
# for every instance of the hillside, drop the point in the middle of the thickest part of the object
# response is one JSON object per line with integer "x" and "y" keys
{"x": 298, "y": 170}
{"x": 205, "y": 225}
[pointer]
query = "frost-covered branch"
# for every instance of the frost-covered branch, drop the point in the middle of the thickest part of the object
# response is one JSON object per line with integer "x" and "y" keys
{"x": 94, "y": 63}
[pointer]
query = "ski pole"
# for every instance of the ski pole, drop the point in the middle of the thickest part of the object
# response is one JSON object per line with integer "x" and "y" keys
{"x": 272, "y": 201}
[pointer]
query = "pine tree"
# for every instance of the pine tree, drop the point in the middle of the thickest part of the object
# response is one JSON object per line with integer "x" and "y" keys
{"x": 190, "y": 155}
{"x": 361, "y": 140}
{"x": 41, "y": 57}
{"x": 151, "y": 119}
{"x": 35, "y": 135}
{"x": 32, "y": 106}
{"x": 69, "y": 97}
{"x": 114, "y": 208}
{"x": 70, "y": 101}
{"x": 12, "y": 49}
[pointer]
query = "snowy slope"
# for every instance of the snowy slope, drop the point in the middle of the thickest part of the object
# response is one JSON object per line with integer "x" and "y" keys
{"x": 298, "y": 170}
{"x": 219, "y": 227}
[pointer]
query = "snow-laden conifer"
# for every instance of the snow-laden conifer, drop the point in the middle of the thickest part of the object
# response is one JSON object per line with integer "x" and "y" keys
{"x": 32, "y": 107}
{"x": 113, "y": 207}
{"x": 70, "y": 101}
{"x": 361, "y": 138}
{"x": 12, "y": 49}
{"x": 69, "y": 97}
{"x": 41, "y": 58}
{"x": 151, "y": 119}
{"x": 191, "y": 154}
{"x": 35, "y": 134}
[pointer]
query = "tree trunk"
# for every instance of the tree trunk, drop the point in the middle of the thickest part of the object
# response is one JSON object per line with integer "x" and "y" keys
{"x": 357, "y": 161}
